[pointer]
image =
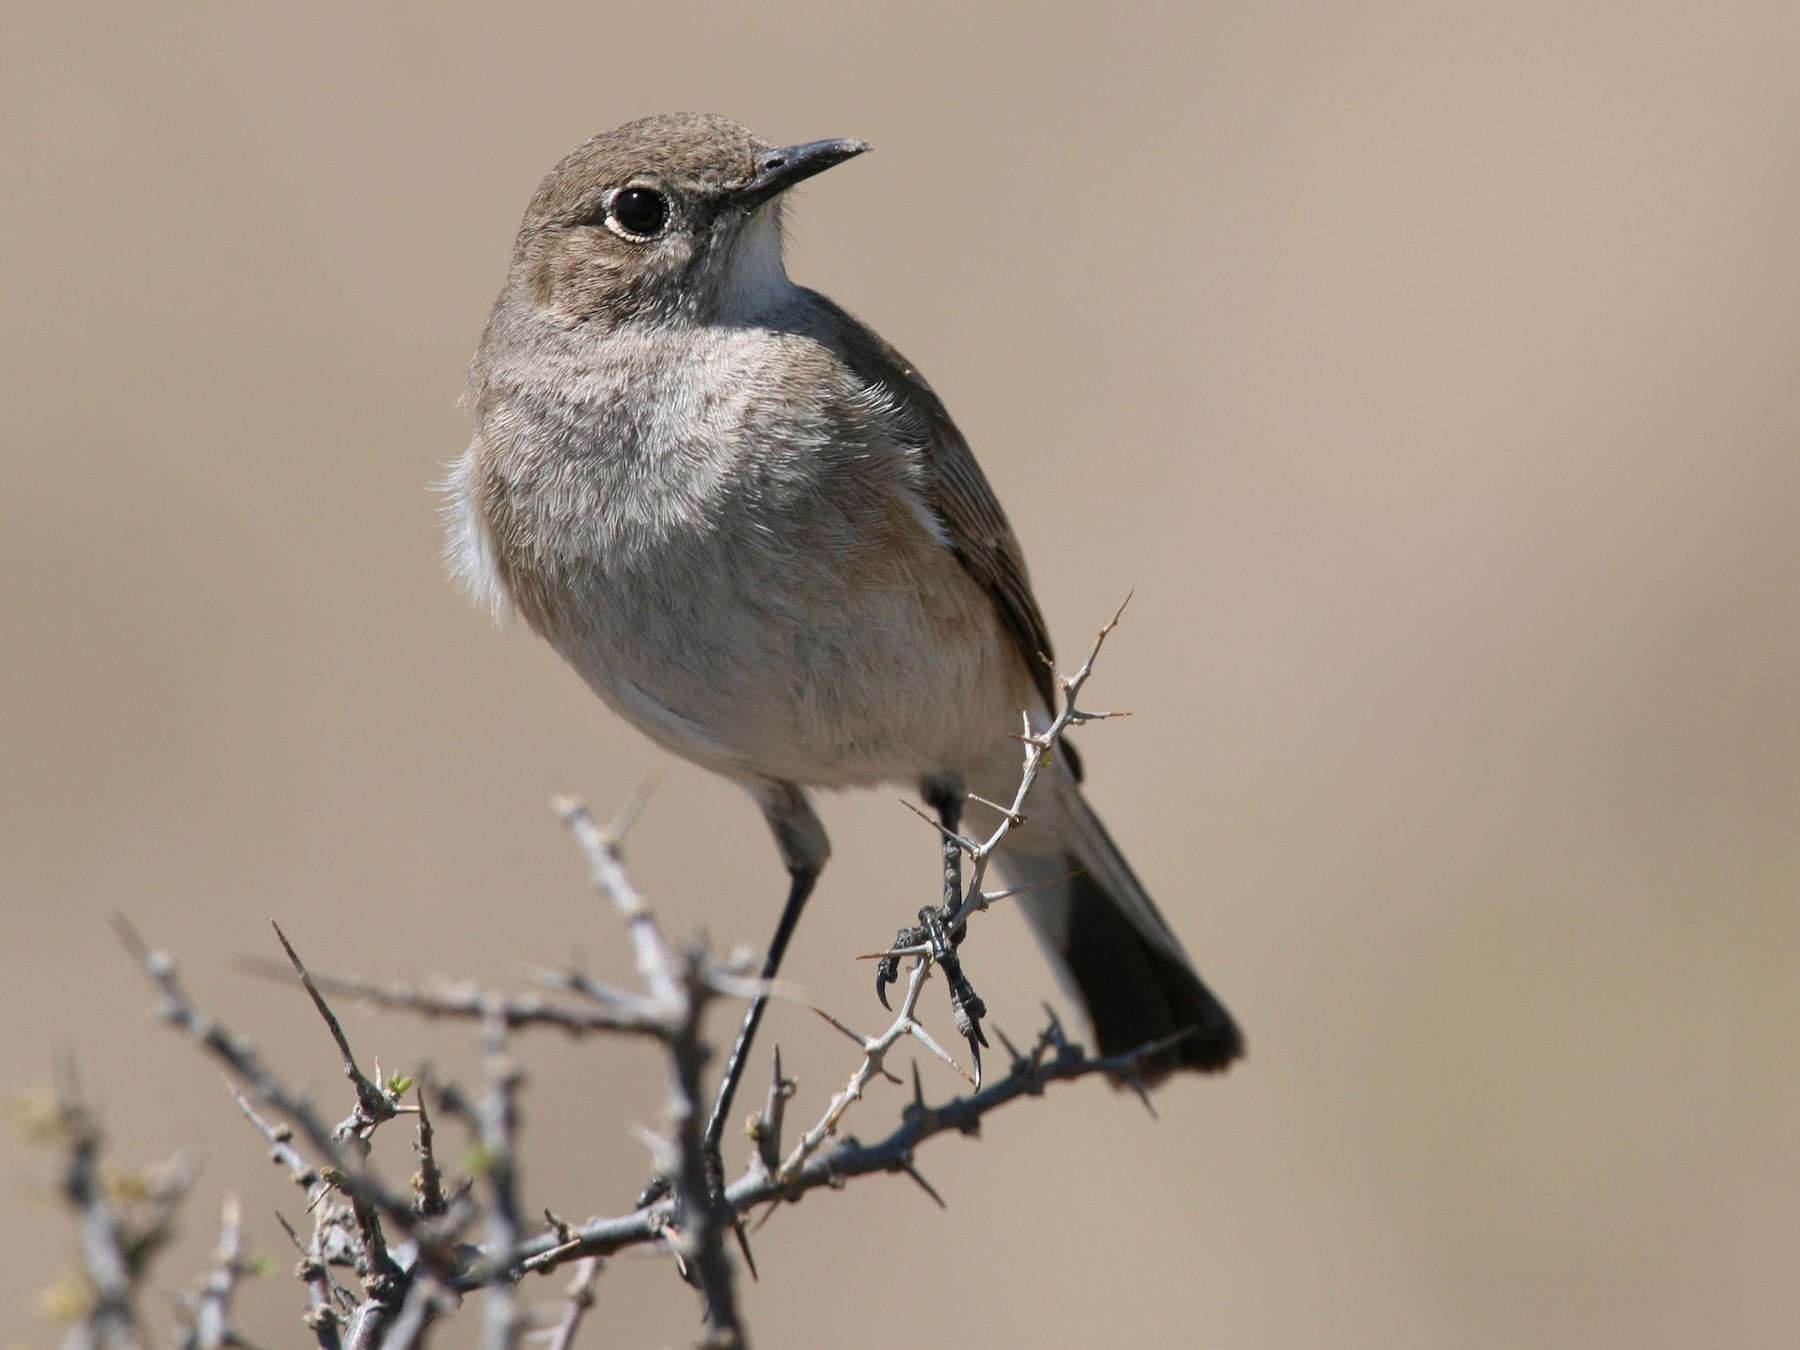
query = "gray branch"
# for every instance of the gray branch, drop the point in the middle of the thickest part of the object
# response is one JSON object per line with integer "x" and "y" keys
{"x": 364, "y": 1290}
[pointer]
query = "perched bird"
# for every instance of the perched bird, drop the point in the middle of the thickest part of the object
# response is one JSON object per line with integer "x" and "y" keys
{"x": 753, "y": 529}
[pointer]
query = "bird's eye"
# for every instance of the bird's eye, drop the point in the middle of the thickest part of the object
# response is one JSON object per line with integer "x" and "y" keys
{"x": 640, "y": 211}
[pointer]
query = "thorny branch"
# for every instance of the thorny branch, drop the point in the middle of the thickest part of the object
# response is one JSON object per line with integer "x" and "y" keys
{"x": 936, "y": 939}
{"x": 365, "y": 1289}
{"x": 1038, "y": 748}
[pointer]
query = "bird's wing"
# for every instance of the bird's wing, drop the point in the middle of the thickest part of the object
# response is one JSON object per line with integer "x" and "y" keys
{"x": 979, "y": 534}
{"x": 958, "y": 493}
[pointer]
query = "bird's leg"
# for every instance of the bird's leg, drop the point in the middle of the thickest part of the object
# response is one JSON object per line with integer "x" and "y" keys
{"x": 944, "y": 797}
{"x": 947, "y": 801}
{"x": 933, "y": 930}
{"x": 966, "y": 1006}
{"x": 711, "y": 1157}
{"x": 804, "y": 848}
{"x": 800, "y": 888}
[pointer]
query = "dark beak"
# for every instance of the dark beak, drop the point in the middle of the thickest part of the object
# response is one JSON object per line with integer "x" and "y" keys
{"x": 779, "y": 170}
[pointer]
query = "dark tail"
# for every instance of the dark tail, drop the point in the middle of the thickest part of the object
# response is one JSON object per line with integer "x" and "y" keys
{"x": 1109, "y": 943}
{"x": 1135, "y": 993}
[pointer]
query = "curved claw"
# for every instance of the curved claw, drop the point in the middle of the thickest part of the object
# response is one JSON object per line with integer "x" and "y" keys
{"x": 887, "y": 970}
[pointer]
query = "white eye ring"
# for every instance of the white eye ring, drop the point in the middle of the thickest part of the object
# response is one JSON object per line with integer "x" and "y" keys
{"x": 637, "y": 213}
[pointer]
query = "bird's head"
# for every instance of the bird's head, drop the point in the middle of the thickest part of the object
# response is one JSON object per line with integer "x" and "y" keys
{"x": 665, "y": 219}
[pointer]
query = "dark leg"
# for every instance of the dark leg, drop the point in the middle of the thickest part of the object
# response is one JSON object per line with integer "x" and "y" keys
{"x": 734, "y": 1066}
{"x": 804, "y": 848}
{"x": 945, "y": 796}
{"x": 947, "y": 800}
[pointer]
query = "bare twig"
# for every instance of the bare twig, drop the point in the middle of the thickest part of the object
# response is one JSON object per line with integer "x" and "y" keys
{"x": 575, "y": 1307}
{"x": 1053, "y": 1059}
{"x": 680, "y": 986}
{"x": 1038, "y": 747}
{"x": 429, "y": 1188}
{"x": 402, "y": 1292}
{"x": 211, "y": 1326}
{"x": 109, "y": 1321}
{"x": 257, "y": 1081}
{"x": 468, "y": 1001}
{"x": 498, "y": 1117}
{"x": 373, "y": 1104}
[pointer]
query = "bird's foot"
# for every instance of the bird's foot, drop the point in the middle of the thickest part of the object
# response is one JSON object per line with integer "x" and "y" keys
{"x": 887, "y": 970}
{"x": 966, "y": 1006}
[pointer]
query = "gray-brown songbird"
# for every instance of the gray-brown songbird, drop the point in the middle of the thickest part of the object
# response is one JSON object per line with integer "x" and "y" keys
{"x": 753, "y": 529}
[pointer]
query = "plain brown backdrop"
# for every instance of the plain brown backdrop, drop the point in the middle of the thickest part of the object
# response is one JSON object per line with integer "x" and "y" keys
{"x": 1431, "y": 372}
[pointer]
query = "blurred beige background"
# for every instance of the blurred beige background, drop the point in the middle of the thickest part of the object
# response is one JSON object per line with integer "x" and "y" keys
{"x": 1431, "y": 372}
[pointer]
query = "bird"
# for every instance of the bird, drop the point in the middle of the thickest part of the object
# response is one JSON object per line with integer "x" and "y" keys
{"x": 752, "y": 528}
